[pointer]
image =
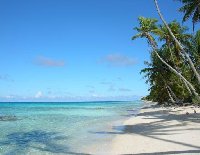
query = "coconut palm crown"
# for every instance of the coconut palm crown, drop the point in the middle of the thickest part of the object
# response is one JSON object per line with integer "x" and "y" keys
{"x": 147, "y": 26}
{"x": 191, "y": 9}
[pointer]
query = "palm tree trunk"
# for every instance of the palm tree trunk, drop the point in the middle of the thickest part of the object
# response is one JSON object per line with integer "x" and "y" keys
{"x": 169, "y": 88}
{"x": 170, "y": 96}
{"x": 154, "y": 46}
{"x": 173, "y": 94}
{"x": 187, "y": 87}
{"x": 177, "y": 68}
{"x": 178, "y": 43}
{"x": 178, "y": 74}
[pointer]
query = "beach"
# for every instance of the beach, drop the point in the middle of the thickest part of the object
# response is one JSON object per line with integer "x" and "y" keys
{"x": 99, "y": 128}
{"x": 159, "y": 130}
{"x": 113, "y": 77}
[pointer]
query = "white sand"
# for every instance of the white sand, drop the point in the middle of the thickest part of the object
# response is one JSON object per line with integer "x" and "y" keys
{"x": 158, "y": 130}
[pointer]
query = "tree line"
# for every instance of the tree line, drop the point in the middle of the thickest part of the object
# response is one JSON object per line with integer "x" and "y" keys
{"x": 173, "y": 72}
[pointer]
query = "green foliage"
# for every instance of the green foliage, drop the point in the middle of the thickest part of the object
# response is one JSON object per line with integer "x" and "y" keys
{"x": 195, "y": 101}
{"x": 191, "y": 8}
{"x": 163, "y": 83}
{"x": 147, "y": 27}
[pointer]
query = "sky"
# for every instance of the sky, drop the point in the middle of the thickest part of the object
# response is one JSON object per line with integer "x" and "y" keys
{"x": 75, "y": 50}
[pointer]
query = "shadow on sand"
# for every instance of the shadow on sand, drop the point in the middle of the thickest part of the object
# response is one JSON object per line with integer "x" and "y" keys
{"x": 159, "y": 127}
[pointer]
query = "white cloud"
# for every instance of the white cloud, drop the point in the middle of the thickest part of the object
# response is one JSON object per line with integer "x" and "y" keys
{"x": 9, "y": 96}
{"x": 38, "y": 94}
{"x": 118, "y": 60}
{"x": 124, "y": 90}
{"x": 49, "y": 62}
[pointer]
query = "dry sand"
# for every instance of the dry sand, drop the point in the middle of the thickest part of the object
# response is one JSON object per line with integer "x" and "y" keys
{"x": 159, "y": 130}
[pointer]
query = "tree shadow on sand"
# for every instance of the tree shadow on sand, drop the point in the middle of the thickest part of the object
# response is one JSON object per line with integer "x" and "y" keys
{"x": 159, "y": 126}
{"x": 39, "y": 140}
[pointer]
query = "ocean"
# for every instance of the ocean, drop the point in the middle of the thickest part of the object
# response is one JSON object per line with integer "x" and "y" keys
{"x": 60, "y": 128}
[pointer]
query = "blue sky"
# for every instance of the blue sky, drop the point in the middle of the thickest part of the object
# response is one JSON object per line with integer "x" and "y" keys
{"x": 74, "y": 50}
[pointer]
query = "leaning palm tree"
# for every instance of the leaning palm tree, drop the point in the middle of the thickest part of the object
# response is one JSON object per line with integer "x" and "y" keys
{"x": 158, "y": 75}
{"x": 191, "y": 9}
{"x": 180, "y": 33}
{"x": 183, "y": 51}
{"x": 195, "y": 46}
{"x": 146, "y": 29}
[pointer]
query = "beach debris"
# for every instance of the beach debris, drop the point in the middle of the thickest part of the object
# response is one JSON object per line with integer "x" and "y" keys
{"x": 187, "y": 113}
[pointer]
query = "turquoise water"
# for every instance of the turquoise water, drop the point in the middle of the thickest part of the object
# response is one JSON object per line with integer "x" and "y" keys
{"x": 58, "y": 128}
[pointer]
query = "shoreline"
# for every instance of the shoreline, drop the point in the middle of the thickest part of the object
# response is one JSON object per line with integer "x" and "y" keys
{"x": 159, "y": 130}
{"x": 106, "y": 134}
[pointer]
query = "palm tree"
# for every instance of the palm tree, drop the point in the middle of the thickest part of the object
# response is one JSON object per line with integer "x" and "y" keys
{"x": 146, "y": 29}
{"x": 170, "y": 44}
{"x": 164, "y": 85}
{"x": 147, "y": 26}
{"x": 191, "y": 9}
{"x": 159, "y": 91}
{"x": 179, "y": 33}
{"x": 195, "y": 54}
{"x": 195, "y": 46}
{"x": 178, "y": 44}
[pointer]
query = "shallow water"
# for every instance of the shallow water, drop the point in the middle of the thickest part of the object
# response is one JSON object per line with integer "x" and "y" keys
{"x": 58, "y": 128}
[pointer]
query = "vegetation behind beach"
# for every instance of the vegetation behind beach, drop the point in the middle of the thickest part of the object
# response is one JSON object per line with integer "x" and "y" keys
{"x": 173, "y": 71}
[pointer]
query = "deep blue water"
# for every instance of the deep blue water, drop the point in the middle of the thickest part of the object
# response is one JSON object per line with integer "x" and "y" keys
{"x": 58, "y": 128}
